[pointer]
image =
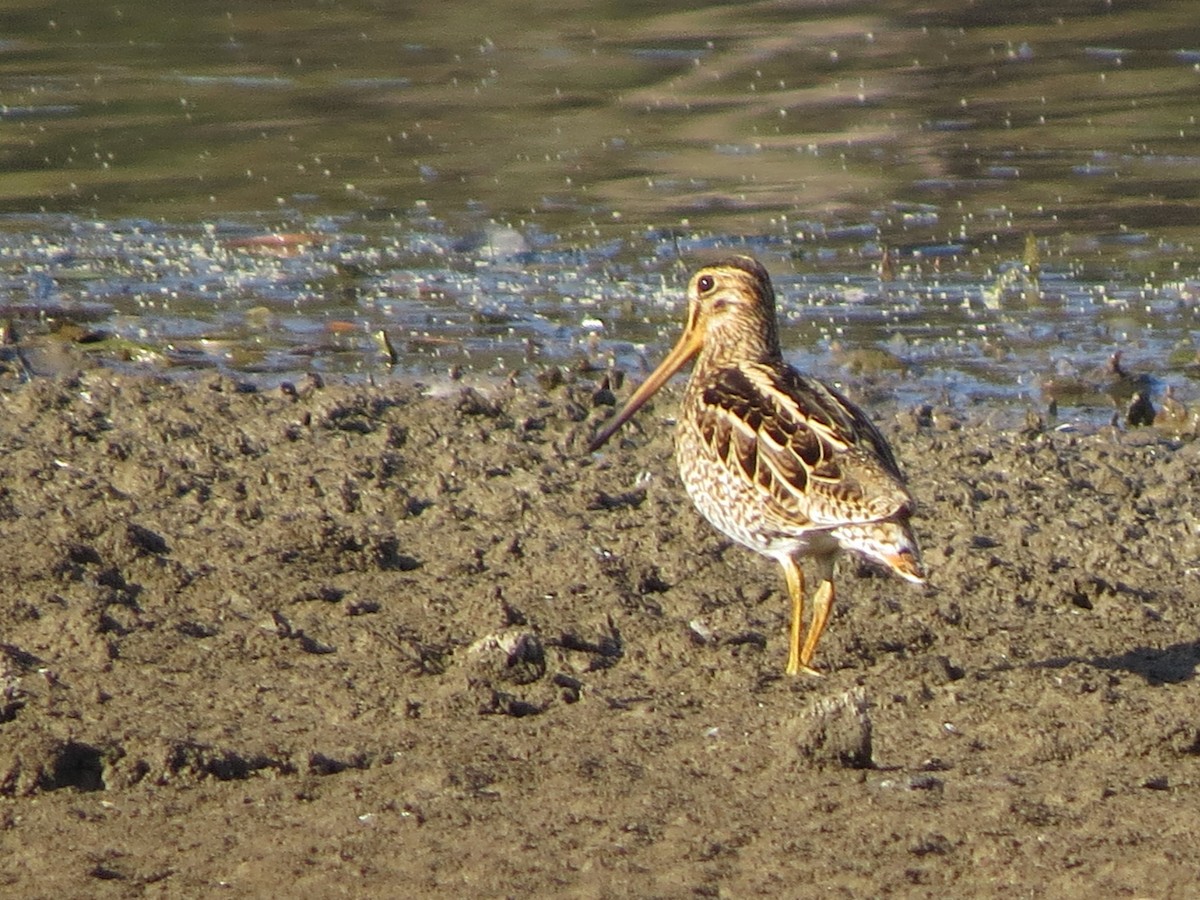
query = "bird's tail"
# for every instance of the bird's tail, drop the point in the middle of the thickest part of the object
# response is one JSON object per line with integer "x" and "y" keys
{"x": 892, "y": 544}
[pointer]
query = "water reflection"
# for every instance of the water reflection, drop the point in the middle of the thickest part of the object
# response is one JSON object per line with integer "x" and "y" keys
{"x": 500, "y": 187}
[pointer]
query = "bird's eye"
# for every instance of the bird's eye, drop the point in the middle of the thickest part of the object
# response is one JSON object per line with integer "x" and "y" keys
{"x": 705, "y": 284}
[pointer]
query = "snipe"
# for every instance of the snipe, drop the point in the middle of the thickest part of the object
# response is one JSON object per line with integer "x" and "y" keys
{"x": 778, "y": 461}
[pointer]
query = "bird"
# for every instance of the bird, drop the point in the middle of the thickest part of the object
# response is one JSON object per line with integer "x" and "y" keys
{"x": 777, "y": 460}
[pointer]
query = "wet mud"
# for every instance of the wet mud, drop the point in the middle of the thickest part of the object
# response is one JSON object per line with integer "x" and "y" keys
{"x": 357, "y": 640}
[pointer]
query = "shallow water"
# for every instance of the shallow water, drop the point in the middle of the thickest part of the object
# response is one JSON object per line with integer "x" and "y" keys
{"x": 498, "y": 188}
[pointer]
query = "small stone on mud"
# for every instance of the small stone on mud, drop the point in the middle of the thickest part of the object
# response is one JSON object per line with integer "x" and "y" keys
{"x": 1140, "y": 412}
{"x": 837, "y": 731}
{"x": 513, "y": 656}
{"x": 700, "y": 632}
{"x": 603, "y": 395}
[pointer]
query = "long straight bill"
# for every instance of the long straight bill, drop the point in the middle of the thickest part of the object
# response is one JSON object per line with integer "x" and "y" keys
{"x": 688, "y": 346}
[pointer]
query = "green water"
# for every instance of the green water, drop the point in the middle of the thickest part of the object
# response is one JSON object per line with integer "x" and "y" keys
{"x": 503, "y": 186}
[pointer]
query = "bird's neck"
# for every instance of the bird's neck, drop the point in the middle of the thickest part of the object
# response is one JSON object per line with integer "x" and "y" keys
{"x": 740, "y": 349}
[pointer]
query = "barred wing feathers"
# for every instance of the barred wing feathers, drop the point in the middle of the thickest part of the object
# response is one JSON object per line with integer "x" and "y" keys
{"x": 817, "y": 459}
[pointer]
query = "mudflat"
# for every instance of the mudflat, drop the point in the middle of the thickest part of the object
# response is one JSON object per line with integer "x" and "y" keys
{"x": 352, "y": 640}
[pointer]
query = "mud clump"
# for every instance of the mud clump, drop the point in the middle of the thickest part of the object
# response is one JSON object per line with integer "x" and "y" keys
{"x": 399, "y": 638}
{"x": 837, "y": 731}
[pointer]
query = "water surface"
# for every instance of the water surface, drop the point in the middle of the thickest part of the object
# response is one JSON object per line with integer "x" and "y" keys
{"x": 503, "y": 187}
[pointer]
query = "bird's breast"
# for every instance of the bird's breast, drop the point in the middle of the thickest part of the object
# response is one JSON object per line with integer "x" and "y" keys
{"x": 733, "y": 504}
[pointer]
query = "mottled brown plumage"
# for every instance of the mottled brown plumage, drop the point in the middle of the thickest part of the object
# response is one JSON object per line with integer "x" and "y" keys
{"x": 778, "y": 461}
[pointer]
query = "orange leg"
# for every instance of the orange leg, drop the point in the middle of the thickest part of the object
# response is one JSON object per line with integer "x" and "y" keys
{"x": 798, "y": 655}
{"x": 822, "y": 606}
